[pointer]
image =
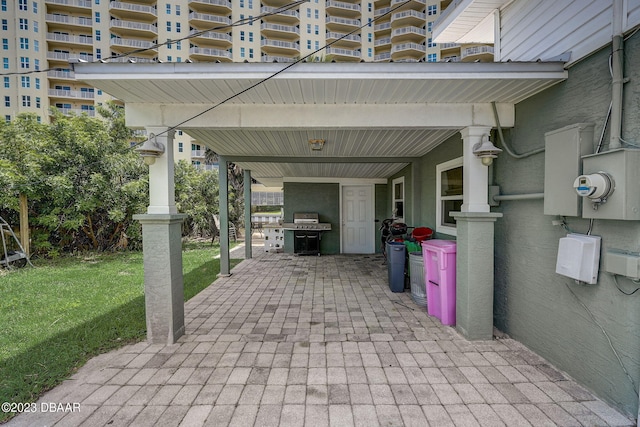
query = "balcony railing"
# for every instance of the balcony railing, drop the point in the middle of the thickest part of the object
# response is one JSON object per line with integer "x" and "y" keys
{"x": 61, "y": 93}
{"x": 130, "y": 59}
{"x": 77, "y": 112}
{"x": 133, "y": 7}
{"x": 137, "y": 44}
{"x": 344, "y": 21}
{"x": 69, "y": 39}
{"x": 408, "y": 46}
{"x": 476, "y": 50}
{"x": 342, "y": 5}
{"x": 397, "y": 2}
{"x": 450, "y": 59}
{"x": 409, "y": 30}
{"x": 382, "y": 57}
{"x": 269, "y": 9}
{"x": 61, "y": 74}
{"x": 197, "y": 153}
{"x": 280, "y": 43}
{"x": 130, "y": 25}
{"x": 272, "y": 58}
{"x": 382, "y": 11}
{"x": 382, "y": 27}
{"x": 74, "y": 20}
{"x": 223, "y": 3}
{"x": 282, "y": 28}
{"x": 449, "y": 45}
{"x": 210, "y": 52}
{"x": 63, "y": 56}
{"x": 341, "y": 36}
{"x": 382, "y": 42}
{"x": 209, "y": 18}
{"x": 76, "y": 3}
{"x": 343, "y": 52}
{"x": 211, "y": 35}
{"x": 409, "y": 14}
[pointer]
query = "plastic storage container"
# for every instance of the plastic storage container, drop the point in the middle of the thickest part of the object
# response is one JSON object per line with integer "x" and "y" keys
{"x": 416, "y": 278}
{"x": 440, "y": 278}
{"x": 395, "y": 265}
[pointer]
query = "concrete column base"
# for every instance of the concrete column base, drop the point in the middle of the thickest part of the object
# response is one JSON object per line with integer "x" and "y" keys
{"x": 474, "y": 274}
{"x": 163, "y": 283}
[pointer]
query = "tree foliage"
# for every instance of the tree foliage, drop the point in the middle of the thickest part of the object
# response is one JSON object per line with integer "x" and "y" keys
{"x": 84, "y": 183}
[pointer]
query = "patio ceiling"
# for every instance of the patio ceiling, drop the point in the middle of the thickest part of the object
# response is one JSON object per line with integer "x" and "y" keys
{"x": 375, "y": 117}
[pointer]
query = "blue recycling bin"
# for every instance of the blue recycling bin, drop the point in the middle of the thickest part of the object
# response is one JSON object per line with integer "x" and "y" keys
{"x": 396, "y": 255}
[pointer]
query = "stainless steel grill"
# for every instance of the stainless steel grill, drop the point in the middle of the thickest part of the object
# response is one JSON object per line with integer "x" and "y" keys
{"x": 307, "y": 232}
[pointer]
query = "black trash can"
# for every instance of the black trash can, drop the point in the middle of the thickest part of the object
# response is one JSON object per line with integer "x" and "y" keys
{"x": 396, "y": 253}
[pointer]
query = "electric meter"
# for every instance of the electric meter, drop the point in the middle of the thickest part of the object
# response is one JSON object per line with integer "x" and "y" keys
{"x": 596, "y": 186}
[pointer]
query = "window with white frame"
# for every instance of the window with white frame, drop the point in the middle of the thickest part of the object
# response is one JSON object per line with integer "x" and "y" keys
{"x": 397, "y": 186}
{"x": 448, "y": 195}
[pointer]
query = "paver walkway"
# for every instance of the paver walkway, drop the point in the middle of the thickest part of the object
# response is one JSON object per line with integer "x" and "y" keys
{"x": 316, "y": 341}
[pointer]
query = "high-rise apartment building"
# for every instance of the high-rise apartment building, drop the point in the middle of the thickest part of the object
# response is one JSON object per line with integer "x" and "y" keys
{"x": 40, "y": 36}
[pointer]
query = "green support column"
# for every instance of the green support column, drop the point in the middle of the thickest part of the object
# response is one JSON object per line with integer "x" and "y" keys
{"x": 474, "y": 274}
{"x": 247, "y": 214}
{"x": 225, "y": 264}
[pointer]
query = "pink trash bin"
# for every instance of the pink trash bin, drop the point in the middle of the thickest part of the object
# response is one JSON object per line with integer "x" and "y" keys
{"x": 439, "y": 257}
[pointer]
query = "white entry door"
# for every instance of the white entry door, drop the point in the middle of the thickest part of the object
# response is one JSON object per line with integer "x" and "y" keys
{"x": 358, "y": 228}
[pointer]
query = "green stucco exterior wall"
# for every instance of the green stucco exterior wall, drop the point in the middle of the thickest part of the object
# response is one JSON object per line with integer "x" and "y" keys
{"x": 323, "y": 198}
{"x": 533, "y": 304}
{"x": 382, "y": 211}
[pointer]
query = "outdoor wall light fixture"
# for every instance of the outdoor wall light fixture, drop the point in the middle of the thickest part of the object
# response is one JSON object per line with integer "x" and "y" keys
{"x": 486, "y": 151}
{"x": 150, "y": 150}
{"x": 316, "y": 144}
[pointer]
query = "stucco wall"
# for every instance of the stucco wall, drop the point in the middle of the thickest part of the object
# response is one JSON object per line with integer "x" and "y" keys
{"x": 308, "y": 197}
{"x": 532, "y": 303}
{"x": 383, "y": 211}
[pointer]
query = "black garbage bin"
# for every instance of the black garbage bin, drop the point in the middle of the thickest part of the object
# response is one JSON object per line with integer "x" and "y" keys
{"x": 396, "y": 253}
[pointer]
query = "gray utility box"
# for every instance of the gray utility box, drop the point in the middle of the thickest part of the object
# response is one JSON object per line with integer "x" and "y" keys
{"x": 623, "y": 165}
{"x": 564, "y": 149}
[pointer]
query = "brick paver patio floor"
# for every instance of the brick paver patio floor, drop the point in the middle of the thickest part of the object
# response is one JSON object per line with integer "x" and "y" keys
{"x": 316, "y": 341}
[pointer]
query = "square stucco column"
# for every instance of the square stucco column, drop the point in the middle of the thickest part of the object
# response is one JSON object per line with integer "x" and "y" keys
{"x": 162, "y": 248}
{"x": 474, "y": 274}
{"x": 163, "y": 282}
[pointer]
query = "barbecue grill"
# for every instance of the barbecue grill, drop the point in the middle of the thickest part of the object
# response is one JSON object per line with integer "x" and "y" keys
{"x": 307, "y": 232}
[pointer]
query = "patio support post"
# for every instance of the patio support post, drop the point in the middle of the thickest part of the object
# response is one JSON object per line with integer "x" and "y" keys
{"x": 475, "y": 250}
{"x": 247, "y": 214}
{"x": 162, "y": 249}
{"x": 225, "y": 265}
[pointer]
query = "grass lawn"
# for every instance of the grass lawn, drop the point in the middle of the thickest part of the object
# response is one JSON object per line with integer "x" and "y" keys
{"x": 58, "y": 315}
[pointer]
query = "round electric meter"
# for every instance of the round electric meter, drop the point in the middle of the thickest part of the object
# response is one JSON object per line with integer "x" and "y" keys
{"x": 596, "y": 186}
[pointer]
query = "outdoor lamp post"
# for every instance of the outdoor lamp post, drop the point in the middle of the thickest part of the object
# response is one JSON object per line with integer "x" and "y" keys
{"x": 486, "y": 151}
{"x": 150, "y": 150}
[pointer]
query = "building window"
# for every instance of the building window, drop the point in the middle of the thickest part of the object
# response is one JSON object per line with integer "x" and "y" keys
{"x": 5, "y": 63}
{"x": 36, "y": 64}
{"x": 308, "y": 13}
{"x": 308, "y": 28}
{"x": 7, "y": 101}
{"x": 7, "y": 118}
{"x": 35, "y": 26}
{"x": 98, "y": 53}
{"x": 432, "y": 57}
{"x": 36, "y": 46}
{"x": 169, "y": 26}
{"x": 430, "y": 26}
{"x": 250, "y": 52}
{"x": 97, "y": 17}
{"x": 22, "y": 5}
{"x": 430, "y": 42}
{"x": 169, "y": 58}
{"x": 397, "y": 186}
{"x": 35, "y": 7}
{"x": 4, "y": 5}
{"x": 24, "y": 24}
{"x": 242, "y": 36}
{"x": 37, "y": 83}
{"x": 241, "y": 3}
{"x": 7, "y": 82}
{"x": 168, "y": 8}
{"x": 432, "y": 9}
{"x": 39, "y": 119}
{"x": 179, "y": 132}
{"x": 250, "y": 20}
{"x": 25, "y": 81}
{"x": 317, "y": 45}
{"x": 100, "y": 92}
{"x": 5, "y": 44}
{"x": 179, "y": 59}
{"x": 168, "y": 43}
{"x": 369, "y": 7}
{"x": 26, "y": 100}
{"x": 5, "y": 25}
{"x": 448, "y": 195}
{"x": 250, "y": 36}
{"x": 250, "y": 4}
{"x": 24, "y": 43}
{"x": 37, "y": 102}
{"x": 24, "y": 62}
{"x": 316, "y": 30}
{"x": 178, "y": 45}
{"x": 241, "y": 52}
{"x": 98, "y": 35}
{"x": 178, "y": 27}
{"x": 308, "y": 44}
{"x": 316, "y": 14}
{"x": 177, "y": 10}
{"x": 369, "y": 37}
{"x": 180, "y": 147}
{"x": 369, "y": 52}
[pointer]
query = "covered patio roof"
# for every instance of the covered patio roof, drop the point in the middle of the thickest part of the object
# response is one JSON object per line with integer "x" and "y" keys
{"x": 374, "y": 117}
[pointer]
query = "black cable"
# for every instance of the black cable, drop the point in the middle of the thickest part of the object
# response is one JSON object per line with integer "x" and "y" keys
{"x": 615, "y": 280}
